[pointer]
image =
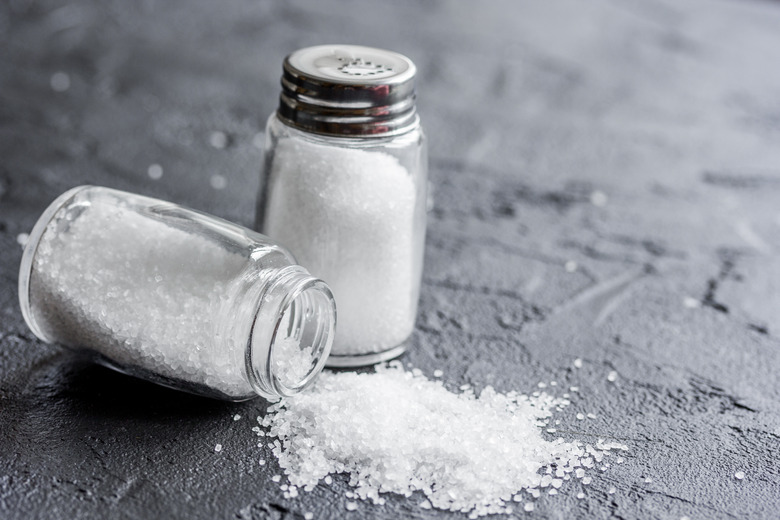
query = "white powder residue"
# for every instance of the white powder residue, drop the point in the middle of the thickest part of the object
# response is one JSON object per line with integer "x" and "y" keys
{"x": 395, "y": 431}
{"x": 348, "y": 217}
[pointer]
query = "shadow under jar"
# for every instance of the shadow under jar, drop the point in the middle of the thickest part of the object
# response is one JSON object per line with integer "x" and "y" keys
{"x": 344, "y": 188}
{"x": 174, "y": 296}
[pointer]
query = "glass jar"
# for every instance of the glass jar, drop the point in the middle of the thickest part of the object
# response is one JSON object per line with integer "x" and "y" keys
{"x": 174, "y": 296}
{"x": 344, "y": 188}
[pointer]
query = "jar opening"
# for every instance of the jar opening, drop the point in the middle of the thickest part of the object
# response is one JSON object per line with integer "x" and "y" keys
{"x": 288, "y": 360}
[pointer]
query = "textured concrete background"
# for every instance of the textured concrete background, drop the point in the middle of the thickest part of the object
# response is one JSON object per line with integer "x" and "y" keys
{"x": 635, "y": 142}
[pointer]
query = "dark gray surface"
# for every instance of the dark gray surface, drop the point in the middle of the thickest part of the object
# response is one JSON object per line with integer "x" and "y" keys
{"x": 670, "y": 109}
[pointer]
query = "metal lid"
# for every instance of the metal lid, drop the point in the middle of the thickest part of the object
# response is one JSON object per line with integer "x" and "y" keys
{"x": 348, "y": 90}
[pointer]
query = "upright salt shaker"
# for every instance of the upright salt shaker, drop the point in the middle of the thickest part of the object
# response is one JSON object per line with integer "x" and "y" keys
{"x": 174, "y": 296}
{"x": 344, "y": 188}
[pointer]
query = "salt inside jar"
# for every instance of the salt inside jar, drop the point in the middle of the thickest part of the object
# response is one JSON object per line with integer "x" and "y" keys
{"x": 174, "y": 296}
{"x": 345, "y": 190}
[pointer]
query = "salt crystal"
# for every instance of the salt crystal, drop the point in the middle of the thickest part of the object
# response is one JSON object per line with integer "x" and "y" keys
{"x": 691, "y": 303}
{"x": 351, "y": 506}
{"x": 580, "y": 495}
{"x": 308, "y": 516}
{"x": 612, "y": 490}
{"x": 612, "y": 376}
{"x": 218, "y": 140}
{"x": 598, "y": 198}
{"x": 465, "y": 452}
{"x": 218, "y": 448}
{"x": 236, "y": 417}
{"x": 22, "y": 239}
{"x": 648, "y": 480}
{"x": 570, "y": 266}
{"x": 529, "y": 506}
{"x": 261, "y": 462}
{"x": 59, "y": 82}
{"x": 739, "y": 475}
{"x": 155, "y": 172}
{"x": 591, "y": 416}
{"x": 218, "y": 182}
{"x": 580, "y": 416}
{"x": 276, "y": 478}
{"x": 438, "y": 373}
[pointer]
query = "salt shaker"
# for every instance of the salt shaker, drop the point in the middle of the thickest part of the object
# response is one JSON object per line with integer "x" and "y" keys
{"x": 344, "y": 188}
{"x": 174, "y": 296}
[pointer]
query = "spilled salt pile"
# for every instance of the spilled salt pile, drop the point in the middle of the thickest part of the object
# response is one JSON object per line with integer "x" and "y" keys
{"x": 395, "y": 431}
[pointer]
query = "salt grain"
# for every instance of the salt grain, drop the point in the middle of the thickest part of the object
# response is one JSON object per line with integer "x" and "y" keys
{"x": 22, "y": 239}
{"x": 612, "y": 376}
{"x": 236, "y": 417}
{"x": 396, "y": 431}
{"x": 529, "y": 506}
{"x": 308, "y": 516}
{"x": 739, "y": 475}
{"x": 612, "y": 490}
{"x": 691, "y": 303}
{"x": 155, "y": 172}
{"x": 570, "y": 266}
{"x": 218, "y": 140}
{"x": 59, "y": 82}
{"x": 438, "y": 373}
{"x": 218, "y": 448}
{"x": 218, "y": 182}
{"x": 598, "y": 198}
{"x": 351, "y": 506}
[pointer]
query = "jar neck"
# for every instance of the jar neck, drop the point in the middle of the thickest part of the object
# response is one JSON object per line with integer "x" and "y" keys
{"x": 291, "y": 331}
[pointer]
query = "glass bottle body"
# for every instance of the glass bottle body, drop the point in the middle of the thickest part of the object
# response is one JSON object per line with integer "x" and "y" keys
{"x": 352, "y": 210}
{"x": 174, "y": 296}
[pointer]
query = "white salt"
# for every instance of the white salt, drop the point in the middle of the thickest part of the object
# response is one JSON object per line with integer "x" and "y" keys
{"x": 218, "y": 448}
{"x": 351, "y": 506}
{"x": 570, "y": 266}
{"x": 739, "y": 475}
{"x": 612, "y": 490}
{"x": 348, "y": 217}
{"x": 155, "y": 172}
{"x": 308, "y": 515}
{"x": 218, "y": 182}
{"x": 580, "y": 495}
{"x": 438, "y": 373}
{"x": 598, "y": 198}
{"x": 394, "y": 431}
{"x": 691, "y": 303}
{"x": 529, "y": 506}
{"x": 22, "y": 239}
{"x": 612, "y": 376}
{"x": 236, "y": 417}
{"x": 276, "y": 478}
{"x": 218, "y": 140}
{"x": 59, "y": 82}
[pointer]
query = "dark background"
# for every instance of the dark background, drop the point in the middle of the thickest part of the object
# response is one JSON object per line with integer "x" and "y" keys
{"x": 637, "y": 142}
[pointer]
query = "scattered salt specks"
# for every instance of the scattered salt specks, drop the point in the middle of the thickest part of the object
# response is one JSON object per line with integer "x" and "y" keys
{"x": 22, "y": 239}
{"x": 612, "y": 376}
{"x": 276, "y": 478}
{"x": 236, "y": 417}
{"x": 648, "y": 480}
{"x": 351, "y": 506}
{"x": 739, "y": 475}
{"x": 155, "y": 172}
{"x": 580, "y": 416}
{"x": 218, "y": 140}
{"x": 599, "y": 198}
{"x": 691, "y": 303}
{"x": 570, "y": 266}
{"x": 577, "y": 364}
{"x": 438, "y": 373}
{"x": 59, "y": 82}
{"x": 612, "y": 490}
{"x": 580, "y": 495}
{"x": 591, "y": 416}
{"x": 218, "y": 448}
{"x": 218, "y": 182}
{"x": 395, "y": 431}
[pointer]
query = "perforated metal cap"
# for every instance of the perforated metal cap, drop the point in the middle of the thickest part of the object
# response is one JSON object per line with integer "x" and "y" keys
{"x": 348, "y": 90}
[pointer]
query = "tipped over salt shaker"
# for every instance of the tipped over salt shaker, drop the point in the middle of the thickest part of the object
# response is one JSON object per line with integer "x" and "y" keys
{"x": 174, "y": 296}
{"x": 344, "y": 188}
